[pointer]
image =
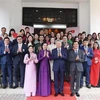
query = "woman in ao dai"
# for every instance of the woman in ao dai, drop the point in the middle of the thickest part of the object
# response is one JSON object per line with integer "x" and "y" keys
{"x": 30, "y": 72}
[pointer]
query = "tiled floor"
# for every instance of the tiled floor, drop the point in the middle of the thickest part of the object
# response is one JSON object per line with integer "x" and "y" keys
{"x": 12, "y": 94}
{"x": 89, "y": 94}
{"x": 12, "y": 97}
{"x": 18, "y": 94}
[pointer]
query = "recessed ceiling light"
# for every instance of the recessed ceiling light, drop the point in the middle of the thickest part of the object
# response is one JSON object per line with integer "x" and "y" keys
{"x": 36, "y": 10}
{"x": 58, "y": 18}
{"x": 60, "y": 11}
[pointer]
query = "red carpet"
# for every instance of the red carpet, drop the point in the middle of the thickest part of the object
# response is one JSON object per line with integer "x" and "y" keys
{"x": 51, "y": 97}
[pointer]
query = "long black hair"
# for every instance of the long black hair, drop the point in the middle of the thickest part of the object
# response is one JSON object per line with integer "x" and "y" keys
{"x": 10, "y": 31}
{"x": 32, "y": 40}
{"x": 28, "y": 51}
{"x": 97, "y": 44}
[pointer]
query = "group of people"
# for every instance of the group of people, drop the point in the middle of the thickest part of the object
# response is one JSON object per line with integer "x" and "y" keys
{"x": 33, "y": 61}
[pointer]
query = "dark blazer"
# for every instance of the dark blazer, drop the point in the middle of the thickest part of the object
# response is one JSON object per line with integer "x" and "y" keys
{"x": 5, "y": 57}
{"x": 18, "y": 57}
{"x": 76, "y": 65}
{"x": 59, "y": 62}
{"x": 89, "y": 56}
{"x": 2, "y": 43}
{"x": 69, "y": 48}
{"x": 37, "y": 45}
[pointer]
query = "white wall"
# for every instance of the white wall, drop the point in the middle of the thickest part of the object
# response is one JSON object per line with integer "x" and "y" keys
{"x": 10, "y": 14}
{"x": 84, "y": 16}
{"x": 50, "y": 5}
{"x": 95, "y": 16}
{"x": 16, "y": 15}
{"x": 5, "y": 14}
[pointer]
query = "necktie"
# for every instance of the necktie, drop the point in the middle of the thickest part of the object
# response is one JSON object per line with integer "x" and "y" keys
{"x": 86, "y": 49}
{"x": 59, "y": 52}
{"x": 6, "y": 47}
{"x": 76, "y": 53}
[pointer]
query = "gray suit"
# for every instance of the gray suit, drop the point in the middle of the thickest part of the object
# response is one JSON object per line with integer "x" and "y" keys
{"x": 76, "y": 68}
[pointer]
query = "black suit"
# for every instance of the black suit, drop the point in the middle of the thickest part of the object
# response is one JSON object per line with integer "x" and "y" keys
{"x": 18, "y": 63}
{"x": 76, "y": 68}
{"x": 67, "y": 67}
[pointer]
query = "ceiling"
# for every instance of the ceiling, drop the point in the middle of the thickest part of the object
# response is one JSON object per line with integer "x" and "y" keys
{"x": 54, "y": 1}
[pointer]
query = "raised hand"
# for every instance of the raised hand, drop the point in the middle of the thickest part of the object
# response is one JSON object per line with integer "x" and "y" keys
{"x": 60, "y": 54}
{"x": 7, "y": 50}
{"x": 19, "y": 50}
{"x": 48, "y": 54}
{"x": 45, "y": 53}
{"x": 77, "y": 58}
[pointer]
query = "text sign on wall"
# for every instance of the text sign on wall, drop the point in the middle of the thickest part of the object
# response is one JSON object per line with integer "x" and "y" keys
{"x": 74, "y": 30}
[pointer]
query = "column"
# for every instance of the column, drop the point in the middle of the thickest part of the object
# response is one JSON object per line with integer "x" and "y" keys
{"x": 84, "y": 16}
{"x": 94, "y": 16}
{"x": 11, "y": 14}
{"x": 16, "y": 15}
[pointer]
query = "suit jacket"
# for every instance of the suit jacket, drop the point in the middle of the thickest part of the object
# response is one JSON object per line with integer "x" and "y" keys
{"x": 19, "y": 57}
{"x": 89, "y": 56}
{"x": 2, "y": 43}
{"x": 37, "y": 45}
{"x": 69, "y": 48}
{"x": 76, "y": 65}
{"x": 5, "y": 57}
{"x": 59, "y": 62}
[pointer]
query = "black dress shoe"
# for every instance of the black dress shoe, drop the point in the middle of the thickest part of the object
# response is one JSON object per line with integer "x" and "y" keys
{"x": 72, "y": 94}
{"x": 4, "y": 87}
{"x": 15, "y": 87}
{"x": 77, "y": 94}
{"x": 68, "y": 81}
{"x": 21, "y": 86}
{"x": 56, "y": 94}
{"x": 81, "y": 86}
{"x": 10, "y": 86}
{"x": 88, "y": 86}
{"x": 62, "y": 94}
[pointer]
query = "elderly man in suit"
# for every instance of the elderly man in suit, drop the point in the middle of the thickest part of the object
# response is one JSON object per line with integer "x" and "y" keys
{"x": 6, "y": 62}
{"x": 59, "y": 56}
{"x": 19, "y": 51}
{"x": 76, "y": 58}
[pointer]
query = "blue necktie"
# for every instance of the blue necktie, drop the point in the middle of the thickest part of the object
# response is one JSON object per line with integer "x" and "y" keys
{"x": 85, "y": 56}
{"x": 76, "y": 53}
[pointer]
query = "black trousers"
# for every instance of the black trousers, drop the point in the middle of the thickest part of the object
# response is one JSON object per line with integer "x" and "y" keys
{"x": 67, "y": 70}
{"x": 19, "y": 70}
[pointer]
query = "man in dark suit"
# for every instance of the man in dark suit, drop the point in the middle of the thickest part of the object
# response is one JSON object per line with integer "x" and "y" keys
{"x": 88, "y": 55}
{"x": 6, "y": 62}
{"x": 59, "y": 56}
{"x": 39, "y": 45}
{"x": 83, "y": 37}
{"x": 19, "y": 51}
{"x": 68, "y": 47}
{"x": 76, "y": 58}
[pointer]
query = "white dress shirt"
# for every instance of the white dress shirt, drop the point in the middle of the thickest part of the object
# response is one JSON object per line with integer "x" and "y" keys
{"x": 20, "y": 46}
